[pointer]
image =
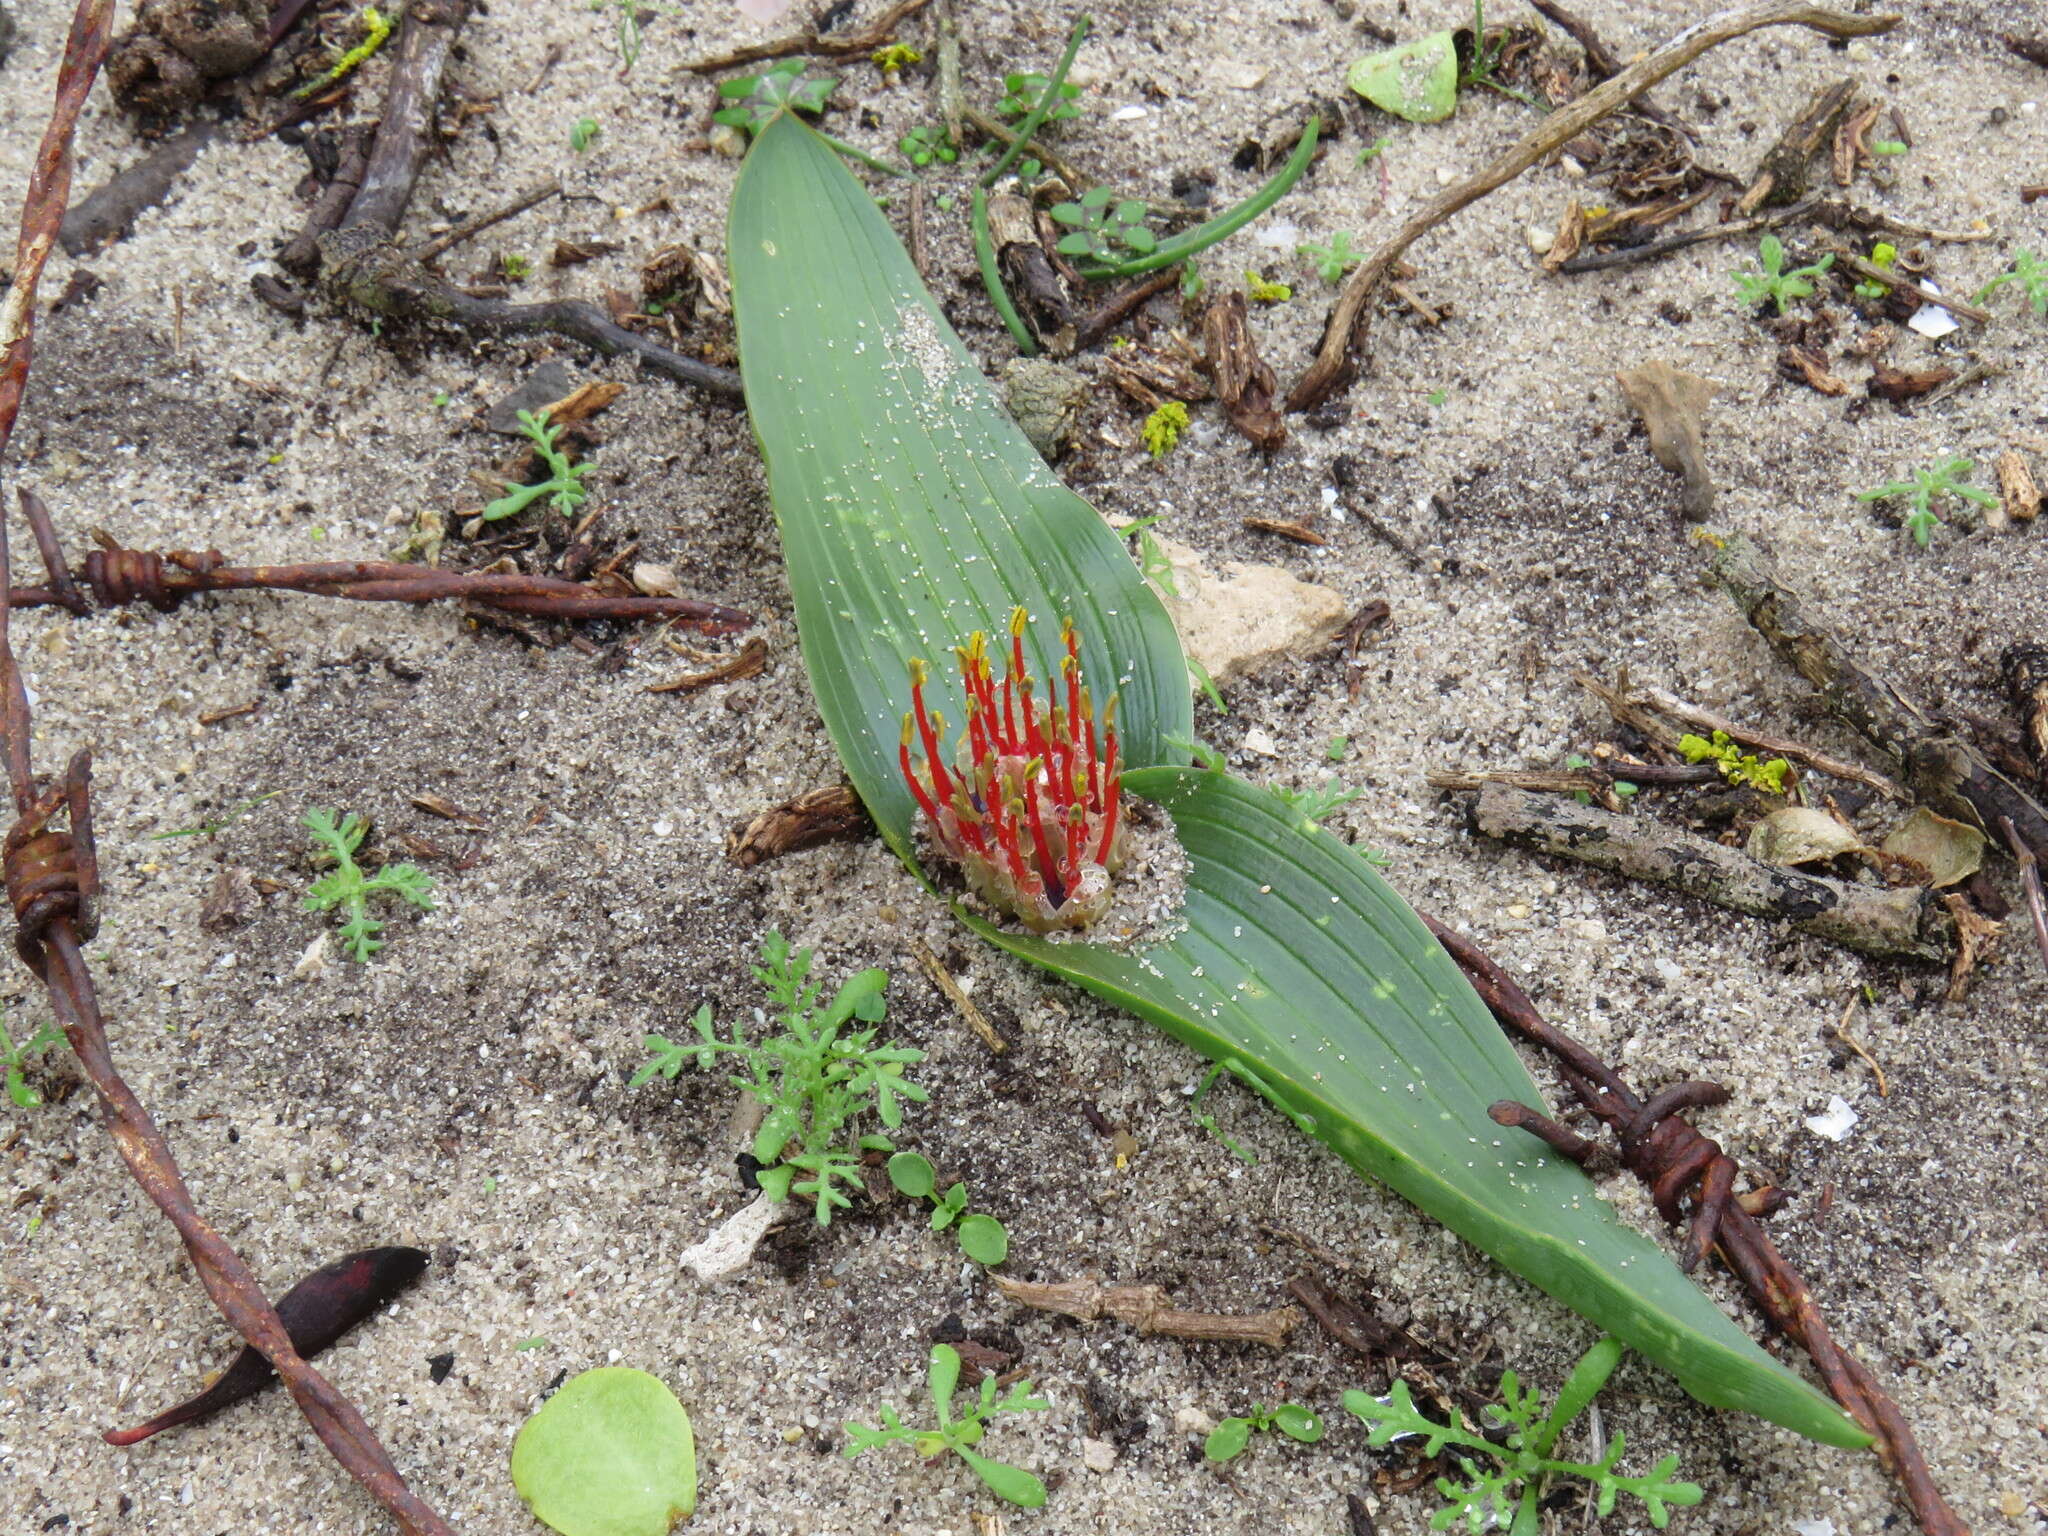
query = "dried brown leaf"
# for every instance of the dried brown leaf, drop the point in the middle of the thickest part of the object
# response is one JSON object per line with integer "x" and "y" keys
{"x": 1672, "y": 403}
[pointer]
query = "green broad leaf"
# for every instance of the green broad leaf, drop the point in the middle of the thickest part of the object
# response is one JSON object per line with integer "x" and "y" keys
{"x": 913, "y": 510}
{"x": 912, "y": 1175}
{"x": 1417, "y": 81}
{"x": 1005, "y": 1482}
{"x": 608, "y": 1455}
{"x": 1299, "y": 961}
{"x": 984, "y": 1240}
{"x": 1227, "y": 1439}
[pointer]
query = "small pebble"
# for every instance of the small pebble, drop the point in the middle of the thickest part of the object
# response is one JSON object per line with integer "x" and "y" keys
{"x": 1098, "y": 1455}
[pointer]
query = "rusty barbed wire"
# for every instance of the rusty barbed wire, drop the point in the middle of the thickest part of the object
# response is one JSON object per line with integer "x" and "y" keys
{"x": 113, "y": 576}
{"x": 1673, "y": 1157}
{"x": 51, "y": 872}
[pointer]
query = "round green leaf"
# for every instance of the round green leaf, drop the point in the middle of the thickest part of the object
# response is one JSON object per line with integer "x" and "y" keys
{"x": 1298, "y": 1423}
{"x": 1140, "y": 240}
{"x": 608, "y": 1455}
{"x": 984, "y": 1240}
{"x": 1417, "y": 81}
{"x": 912, "y": 1175}
{"x": 1227, "y": 1439}
{"x": 1079, "y": 243}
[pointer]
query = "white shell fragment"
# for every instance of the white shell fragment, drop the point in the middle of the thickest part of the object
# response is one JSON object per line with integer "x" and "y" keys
{"x": 1834, "y": 1124}
{"x": 731, "y": 1244}
{"x": 1931, "y": 320}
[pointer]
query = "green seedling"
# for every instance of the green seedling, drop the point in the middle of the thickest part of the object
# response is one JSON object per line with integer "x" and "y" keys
{"x": 1622, "y": 788}
{"x": 1021, "y": 93}
{"x": 563, "y": 486}
{"x": 1505, "y": 1487}
{"x": 1191, "y": 281}
{"x": 14, "y": 1059}
{"x": 1229, "y": 1438}
{"x": 376, "y": 30}
{"x": 982, "y": 1238}
{"x": 347, "y": 887}
{"x": 1888, "y": 146}
{"x": 1312, "y": 805}
{"x": 961, "y": 1435}
{"x": 628, "y": 13}
{"x": 584, "y": 134}
{"x": 1100, "y": 225}
{"x": 756, "y": 100}
{"x": 2029, "y": 272}
{"x": 893, "y": 58}
{"x": 1259, "y": 291}
{"x": 1332, "y": 261}
{"x": 1882, "y": 254}
{"x": 815, "y": 1075}
{"x": 1205, "y": 685}
{"x": 1928, "y": 486}
{"x": 1152, "y": 557}
{"x": 215, "y": 828}
{"x": 925, "y": 143}
{"x": 1737, "y": 766}
{"x": 1163, "y": 428}
{"x": 1375, "y": 149}
{"x": 1774, "y": 285}
{"x": 1486, "y": 60}
{"x": 515, "y": 267}
{"x": 1337, "y": 749}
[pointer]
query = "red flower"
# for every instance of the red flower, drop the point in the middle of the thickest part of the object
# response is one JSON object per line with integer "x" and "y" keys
{"x": 1028, "y": 808}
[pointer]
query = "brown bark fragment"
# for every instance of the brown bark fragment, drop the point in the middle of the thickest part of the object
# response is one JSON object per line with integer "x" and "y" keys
{"x": 1244, "y": 383}
{"x": 818, "y": 816}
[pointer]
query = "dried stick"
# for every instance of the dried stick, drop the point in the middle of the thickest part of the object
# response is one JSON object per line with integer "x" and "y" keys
{"x": 52, "y": 876}
{"x": 483, "y": 221}
{"x": 1623, "y": 700}
{"x": 1909, "y": 922}
{"x": 862, "y": 40}
{"x": 1344, "y": 336}
{"x": 1146, "y": 1308}
{"x": 2030, "y": 881}
{"x": 1596, "y": 780}
{"x": 955, "y": 994}
{"x": 1871, "y": 272}
{"x": 425, "y": 39}
{"x": 1945, "y": 771}
{"x": 1660, "y": 1147}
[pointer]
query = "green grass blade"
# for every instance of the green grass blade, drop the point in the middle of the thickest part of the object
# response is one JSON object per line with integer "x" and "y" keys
{"x": 912, "y": 509}
{"x": 1300, "y": 962}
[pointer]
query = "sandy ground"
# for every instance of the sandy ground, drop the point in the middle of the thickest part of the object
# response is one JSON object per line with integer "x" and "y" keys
{"x": 466, "y": 1093}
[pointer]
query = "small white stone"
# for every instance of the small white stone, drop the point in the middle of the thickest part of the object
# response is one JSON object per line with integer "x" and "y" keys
{"x": 1192, "y": 1421}
{"x": 1835, "y": 1124}
{"x": 1445, "y": 175}
{"x": 1097, "y": 1455}
{"x": 1540, "y": 239}
{"x": 1821, "y": 1527}
{"x": 664, "y": 827}
{"x": 1126, "y": 114}
{"x": 1244, "y": 77}
{"x": 655, "y": 580}
{"x": 1259, "y": 740}
{"x": 313, "y": 963}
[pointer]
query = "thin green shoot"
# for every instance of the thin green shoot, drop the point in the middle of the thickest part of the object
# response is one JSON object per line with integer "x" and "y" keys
{"x": 1332, "y": 261}
{"x": 1023, "y": 91}
{"x": 1205, "y": 685}
{"x": 1057, "y": 97}
{"x": 1153, "y": 559}
{"x": 564, "y": 485}
{"x": 1313, "y": 805}
{"x": 14, "y": 1059}
{"x": 376, "y": 30}
{"x": 1375, "y": 149}
{"x": 1194, "y": 241}
{"x": 1505, "y": 1482}
{"x": 1486, "y": 60}
{"x": 815, "y": 1075}
{"x": 992, "y": 275}
{"x": 628, "y": 13}
{"x": 215, "y": 828}
{"x": 514, "y": 266}
{"x": 1229, "y": 1438}
{"x": 1774, "y": 285}
{"x": 347, "y": 887}
{"x": 959, "y": 1435}
{"x": 2029, "y": 272}
{"x": 1945, "y": 478}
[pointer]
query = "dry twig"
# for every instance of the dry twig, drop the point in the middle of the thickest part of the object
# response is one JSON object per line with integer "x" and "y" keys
{"x": 956, "y": 994}
{"x": 1344, "y": 336}
{"x": 862, "y": 40}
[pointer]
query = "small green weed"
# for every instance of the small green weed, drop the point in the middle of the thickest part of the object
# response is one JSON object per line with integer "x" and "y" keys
{"x": 347, "y": 887}
{"x": 1888, "y": 146}
{"x": 376, "y": 30}
{"x": 1163, "y": 428}
{"x": 584, "y": 134}
{"x": 215, "y": 828}
{"x": 1774, "y": 285}
{"x": 757, "y": 98}
{"x": 2029, "y": 272}
{"x": 1332, "y": 261}
{"x": 1152, "y": 557}
{"x": 516, "y": 268}
{"x": 564, "y": 485}
{"x": 1736, "y": 765}
{"x": 1929, "y": 485}
{"x": 1506, "y": 1488}
{"x": 893, "y": 58}
{"x": 960, "y": 1435}
{"x": 925, "y": 143}
{"x": 814, "y": 1074}
{"x": 14, "y": 1059}
{"x": 1101, "y": 224}
{"x": 1021, "y": 93}
{"x": 1882, "y": 254}
{"x": 1375, "y": 149}
{"x": 1314, "y": 804}
{"x": 982, "y": 1238}
{"x": 1229, "y": 1438}
{"x": 1259, "y": 291}
{"x": 628, "y": 13}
